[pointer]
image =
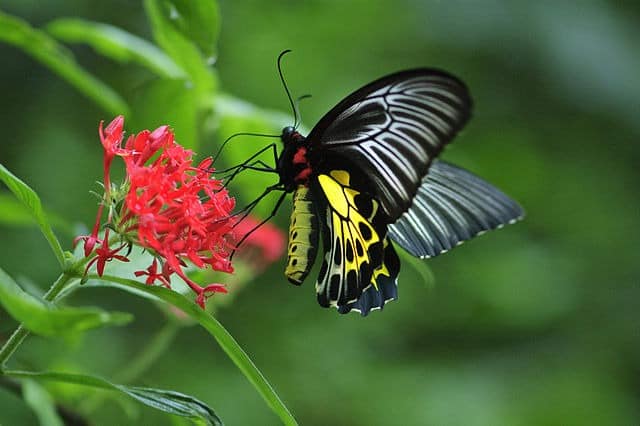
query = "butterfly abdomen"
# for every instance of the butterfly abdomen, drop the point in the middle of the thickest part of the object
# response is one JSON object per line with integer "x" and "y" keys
{"x": 303, "y": 236}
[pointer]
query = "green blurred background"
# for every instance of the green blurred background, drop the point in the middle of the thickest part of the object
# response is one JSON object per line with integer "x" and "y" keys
{"x": 535, "y": 324}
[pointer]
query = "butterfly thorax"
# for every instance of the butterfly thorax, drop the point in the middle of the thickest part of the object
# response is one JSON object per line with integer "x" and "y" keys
{"x": 294, "y": 167}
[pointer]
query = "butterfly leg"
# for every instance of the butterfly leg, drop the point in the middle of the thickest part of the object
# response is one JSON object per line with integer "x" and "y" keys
{"x": 272, "y": 214}
{"x": 253, "y": 164}
{"x": 257, "y": 165}
{"x": 244, "y": 212}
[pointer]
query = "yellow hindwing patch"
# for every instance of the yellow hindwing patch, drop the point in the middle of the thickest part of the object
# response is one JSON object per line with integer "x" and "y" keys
{"x": 353, "y": 247}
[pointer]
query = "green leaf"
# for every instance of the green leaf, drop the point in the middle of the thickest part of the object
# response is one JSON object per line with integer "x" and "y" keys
{"x": 198, "y": 21}
{"x": 225, "y": 340}
{"x": 168, "y": 401}
{"x": 167, "y": 25}
{"x": 46, "y": 319}
{"x": 58, "y": 59}
{"x": 41, "y": 403}
{"x": 31, "y": 201}
{"x": 116, "y": 44}
{"x": 15, "y": 214}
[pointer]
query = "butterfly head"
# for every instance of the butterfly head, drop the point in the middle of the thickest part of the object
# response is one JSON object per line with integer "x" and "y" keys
{"x": 290, "y": 135}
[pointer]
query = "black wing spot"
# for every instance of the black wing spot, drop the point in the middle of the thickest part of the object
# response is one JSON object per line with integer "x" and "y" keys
{"x": 359, "y": 248}
{"x": 352, "y": 285}
{"x": 365, "y": 269}
{"x": 337, "y": 256}
{"x": 322, "y": 301}
{"x": 294, "y": 262}
{"x": 349, "y": 252}
{"x": 365, "y": 231}
{"x": 323, "y": 270}
{"x": 334, "y": 287}
{"x": 363, "y": 205}
{"x": 293, "y": 249}
{"x": 376, "y": 253}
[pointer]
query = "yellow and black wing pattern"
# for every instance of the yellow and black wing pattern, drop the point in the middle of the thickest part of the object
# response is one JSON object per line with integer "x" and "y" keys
{"x": 360, "y": 267}
{"x": 384, "y": 284}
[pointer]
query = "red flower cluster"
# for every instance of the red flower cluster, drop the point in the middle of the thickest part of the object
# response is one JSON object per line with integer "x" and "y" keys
{"x": 175, "y": 210}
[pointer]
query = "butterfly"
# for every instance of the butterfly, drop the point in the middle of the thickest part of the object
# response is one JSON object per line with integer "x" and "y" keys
{"x": 367, "y": 177}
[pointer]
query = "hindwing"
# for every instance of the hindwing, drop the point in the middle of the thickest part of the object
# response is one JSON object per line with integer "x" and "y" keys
{"x": 452, "y": 206}
{"x": 353, "y": 231}
{"x": 384, "y": 286}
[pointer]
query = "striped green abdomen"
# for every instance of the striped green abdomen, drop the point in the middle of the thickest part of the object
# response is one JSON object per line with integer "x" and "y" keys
{"x": 303, "y": 236}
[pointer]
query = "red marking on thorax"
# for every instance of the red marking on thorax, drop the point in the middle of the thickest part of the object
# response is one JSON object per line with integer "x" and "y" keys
{"x": 303, "y": 176}
{"x": 300, "y": 159}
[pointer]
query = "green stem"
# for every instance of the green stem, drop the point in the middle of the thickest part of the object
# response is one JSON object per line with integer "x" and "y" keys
{"x": 21, "y": 332}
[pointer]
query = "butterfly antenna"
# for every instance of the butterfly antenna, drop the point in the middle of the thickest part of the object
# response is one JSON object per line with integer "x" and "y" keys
{"x": 215, "y": 157}
{"x": 286, "y": 89}
{"x": 297, "y": 109}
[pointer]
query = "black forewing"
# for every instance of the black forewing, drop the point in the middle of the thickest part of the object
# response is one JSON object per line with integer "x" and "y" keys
{"x": 391, "y": 129}
{"x": 451, "y": 206}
